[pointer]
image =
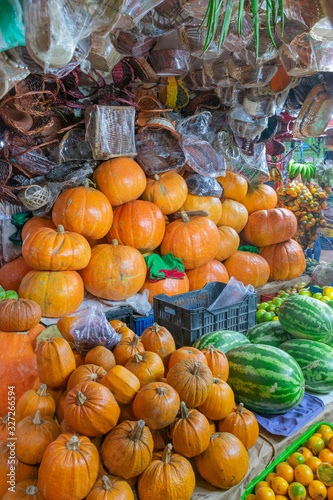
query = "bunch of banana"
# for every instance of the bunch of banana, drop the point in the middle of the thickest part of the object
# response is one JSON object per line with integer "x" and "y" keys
{"x": 306, "y": 170}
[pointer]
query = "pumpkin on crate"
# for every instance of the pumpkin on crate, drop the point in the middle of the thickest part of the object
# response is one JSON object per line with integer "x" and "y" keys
{"x": 127, "y": 347}
{"x": 210, "y": 204}
{"x": 8, "y": 459}
{"x": 56, "y": 250}
{"x": 123, "y": 384}
{"x": 33, "y": 400}
{"x": 235, "y": 186}
{"x": 83, "y": 210}
{"x": 85, "y": 373}
{"x": 157, "y": 404}
{"x": 260, "y": 197}
{"x": 168, "y": 467}
{"x": 121, "y": 180}
{"x": 35, "y": 224}
{"x": 168, "y": 191}
{"x": 147, "y": 367}
{"x": 208, "y": 273}
{"x": 110, "y": 487}
{"x": 187, "y": 238}
{"x": 58, "y": 293}
{"x": 115, "y": 272}
{"x": 286, "y": 260}
{"x": 24, "y": 490}
{"x": 249, "y": 268}
{"x": 168, "y": 286}
{"x": 12, "y": 273}
{"x": 55, "y": 362}
{"x": 217, "y": 361}
{"x": 192, "y": 380}
{"x": 229, "y": 242}
{"x": 234, "y": 215}
{"x": 69, "y": 468}
{"x": 128, "y": 449}
{"x": 19, "y": 315}
{"x": 190, "y": 432}
{"x": 139, "y": 224}
{"x": 158, "y": 339}
{"x": 219, "y": 402}
{"x": 186, "y": 353}
{"x": 101, "y": 356}
{"x": 268, "y": 227}
{"x": 242, "y": 424}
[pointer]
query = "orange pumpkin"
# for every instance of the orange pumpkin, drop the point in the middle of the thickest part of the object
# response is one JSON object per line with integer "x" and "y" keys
{"x": 34, "y": 333}
{"x": 55, "y": 391}
{"x": 268, "y": 227}
{"x": 56, "y": 250}
{"x": 83, "y": 210}
{"x": 159, "y": 340}
{"x": 217, "y": 361}
{"x": 286, "y": 260}
{"x": 123, "y": 384}
{"x": 116, "y": 323}
{"x": 187, "y": 239}
{"x": 157, "y": 404}
{"x": 147, "y": 366}
{"x": 100, "y": 241}
{"x": 139, "y": 224}
{"x": 208, "y": 273}
{"x": 60, "y": 406}
{"x": 192, "y": 380}
{"x": 229, "y": 242}
{"x": 235, "y": 186}
{"x": 8, "y": 459}
{"x": 169, "y": 286}
{"x": 260, "y": 197}
{"x": 55, "y": 362}
{"x": 126, "y": 348}
{"x": 234, "y": 215}
{"x": 64, "y": 325}
{"x": 111, "y": 488}
{"x": 168, "y": 191}
{"x": 219, "y": 402}
{"x": 24, "y": 490}
{"x": 4, "y": 428}
{"x": 12, "y": 273}
{"x": 57, "y": 293}
{"x": 19, "y": 315}
{"x": 85, "y": 373}
{"x": 35, "y": 224}
{"x": 230, "y": 454}
{"x": 190, "y": 432}
{"x": 242, "y": 424}
{"x": 210, "y": 204}
{"x": 79, "y": 358}
{"x": 249, "y": 268}
{"x": 101, "y": 356}
{"x": 121, "y": 180}
{"x": 115, "y": 272}
{"x": 33, "y": 400}
{"x": 186, "y": 353}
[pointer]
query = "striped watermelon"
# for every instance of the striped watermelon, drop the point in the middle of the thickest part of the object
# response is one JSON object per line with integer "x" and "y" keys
{"x": 265, "y": 379}
{"x": 223, "y": 340}
{"x": 316, "y": 361}
{"x": 307, "y": 318}
{"x": 270, "y": 333}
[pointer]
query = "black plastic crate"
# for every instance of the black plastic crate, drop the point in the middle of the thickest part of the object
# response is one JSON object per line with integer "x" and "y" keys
{"x": 124, "y": 314}
{"x": 186, "y": 316}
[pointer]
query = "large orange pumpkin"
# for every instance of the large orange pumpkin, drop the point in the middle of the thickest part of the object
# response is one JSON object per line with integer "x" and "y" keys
{"x": 190, "y": 432}
{"x": 188, "y": 240}
{"x": 12, "y": 273}
{"x": 186, "y": 353}
{"x": 139, "y": 224}
{"x": 58, "y": 293}
{"x": 261, "y": 197}
{"x": 229, "y": 242}
{"x": 220, "y": 401}
{"x": 157, "y": 404}
{"x": 34, "y": 224}
{"x": 268, "y": 227}
{"x": 211, "y": 204}
{"x": 115, "y": 272}
{"x": 147, "y": 367}
{"x": 168, "y": 191}
{"x": 85, "y": 373}
{"x": 121, "y": 180}
{"x": 56, "y": 250}
{"x": 234, "y": 185}
{"x": 286, "y": 260}
{"x": 234, "y": 215}
{"x": 192, "y": 380}
{"x": 83, "y": 210}
{"x": 249, "y": 268}
{"x": 169, "y": 286}
{"x": 123, "y": 384}
{"x": 212, "y": 271}
{"x": 19, "y": 315}
{"x": 33, "y": 400}
{"x": 55, "y": 362}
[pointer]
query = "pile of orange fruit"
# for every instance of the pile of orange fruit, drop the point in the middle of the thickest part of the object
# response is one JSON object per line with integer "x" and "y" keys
{"x": 307, "y": 474}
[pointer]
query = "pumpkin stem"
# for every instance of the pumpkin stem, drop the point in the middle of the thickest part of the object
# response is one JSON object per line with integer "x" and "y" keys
{"x": 31, "y": 490}
{"x": 239, "y": 409}
{"x": 5, "y": 419}
{"x": 138, "y": 358}
{"x": 106, "y": 483}
{"x": 88, "y": 183}
{"x": 183, "y": 411}
{"x": 166, "y": 456}
{"x": 211, "y": 347}
{"x": 156, "y": 177}
{"x": 37, "y": 419}
{"x": 135, "y": 341}
{"x": 114, "y": 242}
{"x": 185, "y": 217}
{"x": 42, "y": 390}
{"x": 137, "y": 431}
{"x": 161, "y": 391}
{"x": 155, "y": 327}
{"x": 216, "y": 381}
{"x": 73, "y": 444}
{"x": 60, "y": 229}
{"x": 196, "y": 368}
{"x": 80, "y": 399}
{"x": 94, "y": 376}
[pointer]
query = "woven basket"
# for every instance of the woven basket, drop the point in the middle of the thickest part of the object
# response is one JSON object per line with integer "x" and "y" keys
{"x": 35, "y": 196}
{"x": 170, "y": 62}
{"x": 329, "y": 139}
{"x": 315, "y": 114}
{"x": 143, "y": 70}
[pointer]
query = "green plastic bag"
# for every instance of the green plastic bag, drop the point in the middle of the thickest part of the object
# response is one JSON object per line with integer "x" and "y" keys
{"x": 11, "y": 24}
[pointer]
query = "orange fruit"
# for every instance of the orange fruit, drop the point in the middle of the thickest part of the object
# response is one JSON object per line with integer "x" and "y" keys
{"x": 296, "y": 459}
{"x": 281, "y": 497}
{"x": 315, "y": 444}
{"x": 303, "y": 474}
{"x": 330, "y": 443}
{"x": 279, "y": 485}
{"x": 261, "y": 484}
{"x": 330, "y": 493}
{"x": 286, "y": 471}
{"x": 313, "y": 463}
{"x": 250, "y": 497}
{"x": 326, "y": 431}
{"x": 269, "y": 478}
{"x": 317, "y": 434}
{"x": 296, "y": 491}
{"x": 265, "y": 494}
{"x": 305, "y": 452}
{"x": 317, "y": 490}
{"x": 325, "y": 474}
{"x": 326, "y": 456}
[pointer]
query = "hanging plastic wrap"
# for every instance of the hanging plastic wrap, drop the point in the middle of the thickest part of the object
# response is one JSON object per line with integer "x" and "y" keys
{"x": 234, "y": 42}
{"x": 197, "y": 77}
{"x": 244, "y": 125}
{"x": 103, "y": 56}
{"x": 308, "y": 13}
{"x": 132, "y": 43}
{"x": 147, "y": 27}
{"x": 259, "y": 106}
{"x": 315, "y": 114}
{"x": 170, "y": 14}
{"x": 198, "y": 125}
{"x": 307, "y": 56}
{"x": 168, "y": 57}
{"x": 230, "y": 96}
{"x": 134, "y": 11}
{"x": 219, "y": 72}
{"x": 199, "y": 185}
{"x": 12, "y": 71}
{"x": 194, "y": 37}
{"x": 267, "y": 51}
{"x": 73, "y": 146}
{"x": 248, "y": 76}
{"x": 201, "y": 157}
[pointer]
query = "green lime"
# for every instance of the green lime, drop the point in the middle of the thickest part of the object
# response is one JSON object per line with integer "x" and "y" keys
{"x": 268, "y": 316}
{"x": 260, "y": 314}
{"x": 264, "y": 305}
{"x": 2, "y": 293}
{"x": 325, "y": 299}
{"x": 10, "y": 294}
{"x": 305, "y": 292}
{"x": 277, "y": 301}
{"x": 317, "y": 296}
{"x": 271, "y": 308}
{"x": 284, "y": 295}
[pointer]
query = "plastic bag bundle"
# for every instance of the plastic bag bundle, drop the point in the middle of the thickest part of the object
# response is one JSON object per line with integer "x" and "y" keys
{"x": 307, "y": 56}
{"x": 244, "y": 125}
{"x": 254, "y": 168}
{"x": 132, "y": 43}
{"x": 134, "y": 11}
{"x": 233, "y": 293}
{"x": 12, "y": 71}
{"x": 198, "y": 125}
{"x": 199, "y": 185}
{"x": 103, "y": 56}
{"x": 201, "y": 157}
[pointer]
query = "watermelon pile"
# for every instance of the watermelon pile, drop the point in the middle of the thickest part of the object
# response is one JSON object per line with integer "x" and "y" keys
{"x": 271, "y": 333}
{"x": 224, "y": 340}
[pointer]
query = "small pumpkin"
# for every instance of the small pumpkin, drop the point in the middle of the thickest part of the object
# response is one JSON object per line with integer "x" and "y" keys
{"x": 234, "y": 215}
{"x": 268, "y": 227}
{"x": 123, "y": 330}
{"x": 64, "y": 325}
{"x": 147, "y": 366}
{"x": 85, "y": 373}
{"x": 111, "y": 488}
{"x": 91, "y": 409}
{"x": 210, "y": 204}
{"x": 235, "y": 186}
{"x": 8, "y": 459}
{"x": 286, "y": 260}
{"x": 126, "y": 348}
{"x": 186, "y": 353}
{"x": 74, "y": 460}
{"x": 193, "y": 381}
{"x": 34, "y": 333}
{"x": 169, "y": 286}
{"x": 123, "y": 384}
{"x": 55, "y": 362}
{"x": 79, "y": 358}
{"x": 157, "y": 404}
{"x": 159, "y": 340}
{"x": 60, "y": 406}
{"x": 12, "y": 273}
{"x": 168, "y": 191}
{"x": 229, "y": 242}
{"x": 260, "y": 197}
{"x": 19, "y": 315}
{"x": 33, "y": 400}
{"x": 168, "y": 467}
{"x": 24, "y": 490}
{"x": 101, "y": 356}
{"x": 35, "y": 224}
{"x": 249, "y": 268}
{"x": 217, "y": 361}
{"x": 116, "y": 323}
{"x": 55, "y": 391}
{"x": 190, "y": 432}
{"x": 219, "y": 402}
{"x": 128, "y": 449}
{"x": 33, "y": 435}
{"x": 242, "y": 424}
{"x": 208, "y": 273}
{"x": 4, "y": 428}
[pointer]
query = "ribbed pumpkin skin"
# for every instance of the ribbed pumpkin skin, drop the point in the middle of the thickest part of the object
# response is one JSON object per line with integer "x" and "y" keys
{"x": 211, "y": 204}
{"x": 85, "y": 373}
{"x": 286, "y": 260}
{"x": 235, "y": 186}
{"x": 159, "y": 340}
{"x": 33, "y": 400}
{"x": 55, "y": 362}
{"x": 234, "y": 215}
{"x": 249, "y": 268}
{"x": 220, "y": 401}
{"x": 34, "y": 434}
{"x": 229, "y": 242}
{"x": 115, "y": 272}
{"x": 268, "y": 227}
{"x": 123, "y": 384}
{"x": 168, "y": 191}
{"x": 121, "y": 180}
{"x": 83, "y": 210}
{"x": 147, "y": 367}
{"x": 242, "y": 424}
{"x": 139, "y": 224}
{"x": 34, "y": 224}
{"x": 157, "y": 404}
{"x": 19, "y": 315}
{"x": 217, "y": 362}
{"x": 261, "y": 197}
{"x": 168, "y": 286}
{"x": 101, "y": 356}
{"x": 12, "y": 273}
{"x": 57, "y": 293}
{"x": 188, "y": 241}
{"x": 190, "y": 432}
{"x": 111, "y": 488}
{"x": 212, "y": 271}
{"x": 22, "y": 471}
{"x": 20, "y": 491}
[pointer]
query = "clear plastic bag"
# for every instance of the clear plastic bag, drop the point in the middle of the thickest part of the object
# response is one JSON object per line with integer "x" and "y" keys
{"x": 132, "y": 43}
{"x": 233, "y": 293}
{"x": 103, "y": 56}
{"x": 199, "y": 185}
{"x": 91, "y": 328}
{"x": 9, "y": 249}
{"x": 134, "y": 11}
{"x": 306, "y": 56}
{"x": 254, "y": 168}
{"x": 201, "y": 157}
{"x": 244, "y": 125}
{"x": 12, "y": 71}
{"x": 198, "y": 125}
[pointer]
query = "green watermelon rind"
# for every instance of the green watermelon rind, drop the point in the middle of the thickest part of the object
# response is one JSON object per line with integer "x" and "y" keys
{"x": 224, "y": 340}
{"x": 270, "y": 333}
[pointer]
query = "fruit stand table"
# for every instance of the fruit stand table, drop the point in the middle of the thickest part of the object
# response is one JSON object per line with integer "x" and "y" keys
{"x": 275, "y": 286}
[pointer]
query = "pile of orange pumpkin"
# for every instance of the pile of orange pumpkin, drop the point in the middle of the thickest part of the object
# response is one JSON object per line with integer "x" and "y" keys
{"x": 95, "y": 426}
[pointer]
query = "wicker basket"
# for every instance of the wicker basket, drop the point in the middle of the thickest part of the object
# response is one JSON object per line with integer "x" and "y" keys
{"x": 315, "y": 114}
{"x": 35, "y": 196}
